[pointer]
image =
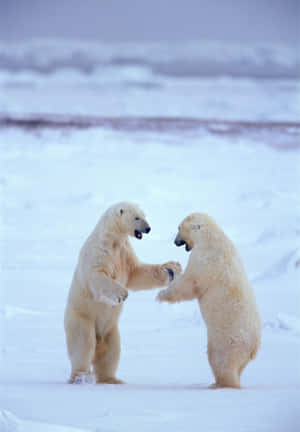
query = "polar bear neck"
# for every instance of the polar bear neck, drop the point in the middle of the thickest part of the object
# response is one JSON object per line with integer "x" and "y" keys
{"x": 109, "y": 230}
{"x": 214, "y": 243}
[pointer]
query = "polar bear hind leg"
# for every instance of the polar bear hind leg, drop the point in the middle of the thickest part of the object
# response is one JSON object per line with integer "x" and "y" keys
{"x": 107, "y": 357}
{"x": 226, "y": 377}
{"x": 81, "y": 342}
{"x": 227, "y": 368}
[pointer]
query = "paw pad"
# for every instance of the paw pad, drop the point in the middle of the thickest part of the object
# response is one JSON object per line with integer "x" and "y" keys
{"x": 170, "y": 274}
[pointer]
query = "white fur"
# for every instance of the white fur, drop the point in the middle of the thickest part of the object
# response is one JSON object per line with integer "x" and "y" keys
{"x": 216, "y": 276}
{"x": 106, "y": 268}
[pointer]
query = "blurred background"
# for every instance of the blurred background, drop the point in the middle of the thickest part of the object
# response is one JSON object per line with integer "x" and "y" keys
{"x": 201, "y": 59}
{"x": 140, "y": 20}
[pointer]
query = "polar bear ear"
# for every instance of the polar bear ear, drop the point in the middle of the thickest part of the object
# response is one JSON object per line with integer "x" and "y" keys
{"x": 196, "y": 227}
{"x": 121, "y": 211}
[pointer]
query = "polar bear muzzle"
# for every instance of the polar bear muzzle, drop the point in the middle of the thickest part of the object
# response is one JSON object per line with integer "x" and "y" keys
{"x": 139, "y": 233}
{"x": 187, "y": 247}
{"x": 180, "y": 242}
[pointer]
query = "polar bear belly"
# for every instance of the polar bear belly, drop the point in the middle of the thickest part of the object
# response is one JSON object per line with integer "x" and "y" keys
{"x": 120, "y": 267}
{"x": 107, "y": 316}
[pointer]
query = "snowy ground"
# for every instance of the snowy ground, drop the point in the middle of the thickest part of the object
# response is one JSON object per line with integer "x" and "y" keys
{"x": 54, "y": 187}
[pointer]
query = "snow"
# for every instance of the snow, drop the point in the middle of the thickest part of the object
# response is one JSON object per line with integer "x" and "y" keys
{"x": 189, "y": 79}
{"x": 56, "y": 183}
{"x": 222, "y": 97}
{"x": 10, "y": 423}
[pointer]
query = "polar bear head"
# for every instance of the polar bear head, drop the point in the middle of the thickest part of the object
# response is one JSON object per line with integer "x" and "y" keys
{"x": 194, "y": 229}
{"x": 128, "y": 219}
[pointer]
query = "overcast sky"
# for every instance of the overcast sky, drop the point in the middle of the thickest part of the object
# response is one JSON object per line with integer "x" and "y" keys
{"x": 153, "y": 20}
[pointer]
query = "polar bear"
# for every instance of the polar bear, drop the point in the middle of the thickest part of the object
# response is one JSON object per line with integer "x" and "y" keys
{"x": 106, "y": 268}
{"x": 215, "y": 275}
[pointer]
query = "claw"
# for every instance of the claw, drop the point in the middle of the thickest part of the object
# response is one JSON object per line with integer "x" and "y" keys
{"x": 170, "y": 273}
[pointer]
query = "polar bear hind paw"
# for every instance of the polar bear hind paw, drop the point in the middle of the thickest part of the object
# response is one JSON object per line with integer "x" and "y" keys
{"x": 82, "y": 378}
{"x": 110, "y": 380}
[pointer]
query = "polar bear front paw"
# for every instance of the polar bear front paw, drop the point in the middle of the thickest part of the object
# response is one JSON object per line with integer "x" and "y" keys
{"x": 164, "y": 295}
{"x": 173, "y": 269}
{"x": 170, "y": 274}
{"x": 114, "y": 298}
{"x": 119, "y": 298}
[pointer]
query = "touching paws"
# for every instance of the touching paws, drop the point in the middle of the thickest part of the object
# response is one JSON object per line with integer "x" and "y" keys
{"x": 170, "y": 274}
{"x": 173, "y": 269}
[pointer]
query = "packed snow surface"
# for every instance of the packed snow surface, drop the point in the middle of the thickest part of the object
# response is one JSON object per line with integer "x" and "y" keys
{"x": 56, "y": 183}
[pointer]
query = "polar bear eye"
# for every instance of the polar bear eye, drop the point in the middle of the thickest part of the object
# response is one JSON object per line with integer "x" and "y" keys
{"x": 137, "y": 218}
{"x": 196, "y": 227}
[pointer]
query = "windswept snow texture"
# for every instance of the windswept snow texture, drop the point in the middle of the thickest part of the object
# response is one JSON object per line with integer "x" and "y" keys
{"x": 54, "y": 187}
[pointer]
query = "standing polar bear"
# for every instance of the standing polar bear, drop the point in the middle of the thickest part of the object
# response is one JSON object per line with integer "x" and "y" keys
{"x": 216, "y": 276}
{"x": 107, "y": 266}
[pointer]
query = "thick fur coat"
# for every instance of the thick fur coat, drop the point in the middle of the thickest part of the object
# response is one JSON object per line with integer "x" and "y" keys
{"x": 215, "y": 275}
{"x": 107, "y": 267}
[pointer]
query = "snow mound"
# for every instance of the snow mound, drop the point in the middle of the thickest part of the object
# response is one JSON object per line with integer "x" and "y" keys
{"x": 285, "y": 264}
{"x": 13, "y": 311}
{"x": 285, "y": 322}
{"x": 297, "y": 260}
{"x": 290, "y": 323}
{"x": 8, "y": 422}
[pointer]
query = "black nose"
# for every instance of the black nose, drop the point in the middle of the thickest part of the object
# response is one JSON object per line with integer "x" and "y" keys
{"x": 147, "y": 230}
{"x": 179, "y": 242}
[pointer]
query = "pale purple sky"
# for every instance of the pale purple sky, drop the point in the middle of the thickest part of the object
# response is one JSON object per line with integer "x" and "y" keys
{"x": 153, "y": 20}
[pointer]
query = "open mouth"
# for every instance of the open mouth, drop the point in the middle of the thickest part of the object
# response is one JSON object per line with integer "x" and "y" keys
{"x": 187, "y": 248}
{"x": 181, "y": 243}
{"x": 138, "y": 234}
